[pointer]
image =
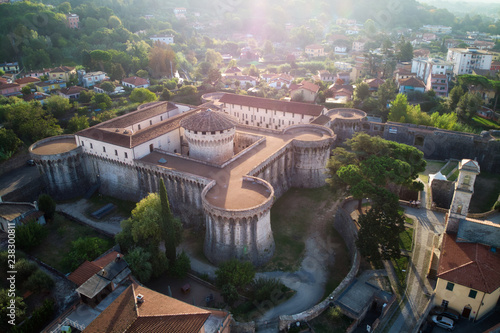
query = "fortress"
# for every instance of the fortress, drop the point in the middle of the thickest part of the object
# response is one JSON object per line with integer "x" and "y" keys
{"x": 224, "y": 169}
{"x": 220, "y": 174}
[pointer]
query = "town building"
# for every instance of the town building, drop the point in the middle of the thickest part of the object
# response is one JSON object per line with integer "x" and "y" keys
{"x": 9, "y": 67}
{"x": 73, "y": 21}
{"x": 50, "y": 85}
{"x": 9, "y": 89}
{"x": 88, "y": 80}
{"x": 410, "y": 85}
{"x": 466, "y": 60}
{"x": 135, "y": 82}
{"x": 315, "y": 50}
{"x": 63, "y": 73}
{"x": 26, "y": 80}
{"x": 304, "y": 91}
{"x": 18, "y": 213}
{"x": 72, "y": 92}
{"x": 468, "y": 272}
{"x": 164, "y": 39}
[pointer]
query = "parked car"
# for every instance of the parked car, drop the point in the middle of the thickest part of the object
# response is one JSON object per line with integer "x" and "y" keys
{"x": 444, "y": 322}
{"x": 447, "y": 312}
{"x": 30, "y": 163}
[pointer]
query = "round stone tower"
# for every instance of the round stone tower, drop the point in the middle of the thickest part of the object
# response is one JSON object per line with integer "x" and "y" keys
{"x": 61, "y": 164}
{"x": 210, "y": 135}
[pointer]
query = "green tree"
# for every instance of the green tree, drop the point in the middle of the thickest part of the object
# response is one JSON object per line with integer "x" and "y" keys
{"x": 167, "y": 224}
{"x": 64, "y": 7}
{"x": 86, "y": 96}
{"x": 467, "y": 106}
{"x": 108, "y": 86}
{"x": 229, "y": 293}
{"x": 213, "y": 57}
{"x": 399, "y": 109}
{"x": 165, "y": 95}
{"x": 142, "y": 73}
{"x": 361, "y": 92}
{"x": 114, "y": 22}
{"x": 30, "y": 235}
{"x": 378, "y": 236}
{"x": 188, "y": 90}
{"x": 181, "y": 266}
{"x": 39, "y": 282}
{"x": 57, "y": 105}
{"x": 78, "y": 123}
{"x": 142, "y": 95}
{"x": 454, "y": 97}
{"x": 84, "y": 248}
{"x": 5, "y": 307}
{"x": 234, "y": 272}
{"x": 100, "y": 57}
{"x": 101, "y": 101}
{"x": 405, "y": 52}
{"x": 9, "y": 142}
{"x": 139, "y": 262}
{"x": 47, "y": 205}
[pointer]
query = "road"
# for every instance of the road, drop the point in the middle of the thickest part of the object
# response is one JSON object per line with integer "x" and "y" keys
{"x": 428, "y": 225}
{"x": 17, "y": 178}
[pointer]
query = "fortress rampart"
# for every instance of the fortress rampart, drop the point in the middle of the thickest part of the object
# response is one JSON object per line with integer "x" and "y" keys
{"x": 239, "y": 233}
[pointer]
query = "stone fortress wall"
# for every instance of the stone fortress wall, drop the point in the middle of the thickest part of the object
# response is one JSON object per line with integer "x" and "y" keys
{"x": 433, "y": 142}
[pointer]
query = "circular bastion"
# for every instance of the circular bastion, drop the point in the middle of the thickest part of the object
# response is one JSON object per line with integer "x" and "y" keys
{"x": 60, "y": 163}
{"x": 243, "y": 233}
{"x": 346, "y": 122}
{"x": 312, "y": 146}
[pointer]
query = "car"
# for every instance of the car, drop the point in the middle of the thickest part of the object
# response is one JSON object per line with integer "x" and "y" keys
{"x": 443, "y": 322}
{"x": 447, "y": 312}
{"x": 30, "y": 163}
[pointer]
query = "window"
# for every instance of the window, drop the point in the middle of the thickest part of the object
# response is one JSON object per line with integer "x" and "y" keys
{"x": 126, "y": 155}
{"x": 466, "y": 180}
{"x": 150, "y": 122}
{"x": 139, "y": 126}
{"x": 450, "y": 286}
{"x": 91, "y": 146}
{"x": 103, "y": 149}
{"x": 116, "y": 152}
{"x": 161, "y": 118}
{"x": 83, "y": 144}
{"x": 472, "y": 293}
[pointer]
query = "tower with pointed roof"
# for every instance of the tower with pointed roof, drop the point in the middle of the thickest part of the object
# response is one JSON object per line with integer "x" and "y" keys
{"x": 464, "y": 188}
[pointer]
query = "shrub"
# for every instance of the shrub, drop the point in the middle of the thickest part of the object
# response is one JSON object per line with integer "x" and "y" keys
{"x": 235, "y": 272}
{"x": 24, "y": 269}
{"x": 268, "y": 288}
{"x": 138, "y": 261}
{"x": 30, "y": 235}
{"x": 39, "y": 319}
{"x": 39, "y": 282}
{"x": 47, "y": 205}
{"x": 230, "y": 293}
{"x": 181, "y": 266}
{"x": 82, "y": 249}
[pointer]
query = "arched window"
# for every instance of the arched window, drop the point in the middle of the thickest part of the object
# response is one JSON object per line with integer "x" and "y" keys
{"x": 466, "y": 180}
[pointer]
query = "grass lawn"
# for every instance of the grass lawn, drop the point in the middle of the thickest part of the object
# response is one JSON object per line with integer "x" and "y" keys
{"x": 61, "y": 232}
{"x": 486, "y": 191}
{"x": 290, "y": 219}
{"x": 331, "y": 321}
{"x": 406, "y": 239}
{"x": 408, "y": 220}
{"x": 485, "y": 123}
{"x": 97, "y": 201}
{"x": 449, "y": 168}
{"x": 401, "y": 267}
{"x": 432, "y": 167}
{"x": 338, "y": 271}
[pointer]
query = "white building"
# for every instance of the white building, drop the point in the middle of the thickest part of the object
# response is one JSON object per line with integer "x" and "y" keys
{"x": 165, "y": 39}
{"x": 268, "y": 113}
{"x": 466, "y": 60}
{"x": 92, "y": 78}
{"x": 135, "y": 82}
{"x": 425, "y": 67}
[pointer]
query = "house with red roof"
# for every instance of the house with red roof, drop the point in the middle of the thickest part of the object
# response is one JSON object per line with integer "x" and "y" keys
{"x": 315, "y": 50}
{"x": 135, "y": 82}
{"x": 304, "y": 92}
{"x": 71, "y": 92}
{"x": 26, "y": 80}
{"x": 232, "y": 71}
{"x": 410, "y": 84}
{"x": 9, "y": 89}
{"x": 374, "y": 83}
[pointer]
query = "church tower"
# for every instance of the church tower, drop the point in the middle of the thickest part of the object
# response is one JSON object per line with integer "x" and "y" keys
{"x": 464, "y": 188}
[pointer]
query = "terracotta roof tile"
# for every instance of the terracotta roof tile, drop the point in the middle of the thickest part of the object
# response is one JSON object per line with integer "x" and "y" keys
{"x": 265, "y": 103}
{"x": 158, "y": 313}
{"x": 104, "y": 260}
{"x": 136, "y": 81}
{"x": 469, "y": 264}
{"x": 84, "y": 272}
{"x": 28, "y": 79}
{"x": 62, "y": 69}
{"x": 208, "y": 121}
{"x": 72, "y": 90}
{"x": 32, "y": 216}
{"x": 305, "y": 85}
{"x": 412, "y": 82}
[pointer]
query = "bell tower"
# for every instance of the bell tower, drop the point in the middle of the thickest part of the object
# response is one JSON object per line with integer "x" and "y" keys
{"x": 464, "y": 188}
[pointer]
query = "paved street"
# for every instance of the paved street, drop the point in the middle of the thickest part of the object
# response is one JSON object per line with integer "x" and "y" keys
{"x": 17, "y": 179}
{"x": 428, "y": 225}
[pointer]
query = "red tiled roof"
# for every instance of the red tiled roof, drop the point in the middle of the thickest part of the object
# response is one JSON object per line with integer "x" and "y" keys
{"x": 374, "y": 83}
{"x": 157, "y": 313}
{"x": 209, "y": 121}
{"x": 28, "y": 79}
{"x": 305, "y": 85}
{"x": 62, "y": 69}
{"x": 106, "y": 259}
{"x": 84, "y": 272}
{"x": 136, "y": 81}
{"x": 232, "y": 70}
{"x": 271, "y": 104}
{"x": 411, "y": 82}
{"x": 469, "y": 264}
{"x": 72, "y": 90}
{"x": 8, "y": 85}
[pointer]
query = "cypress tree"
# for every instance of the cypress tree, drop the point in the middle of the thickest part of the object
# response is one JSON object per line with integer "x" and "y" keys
{"x": 167, "y": 224}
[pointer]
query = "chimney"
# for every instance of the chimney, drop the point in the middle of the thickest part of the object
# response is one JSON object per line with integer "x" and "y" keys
{"x": 140, "y": 298}
{"x": 117, "y": 258}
